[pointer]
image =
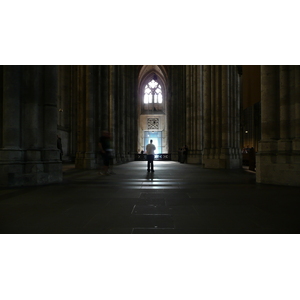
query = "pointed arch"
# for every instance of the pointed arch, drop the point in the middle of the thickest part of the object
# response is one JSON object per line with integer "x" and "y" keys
{"x": 152, "y": 100}
{"x": 152, "y": 105}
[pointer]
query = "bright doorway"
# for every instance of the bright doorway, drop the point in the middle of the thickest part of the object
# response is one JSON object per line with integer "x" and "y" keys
{"x": 156, "y": 137}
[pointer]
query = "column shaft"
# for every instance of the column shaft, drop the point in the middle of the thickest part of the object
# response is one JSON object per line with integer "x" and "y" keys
{"x": 297, "y": 102}
{"x": 207, "y": 106}
{"x": 284, "y": 102}
{"x": 89, "y": 116}
{"x": 225, "y": 112}
{"x": 213, "y": 108}
{"x": 50, "y": 112}
{"x": 11, "y": 107}
{"x": 270, "y": 102}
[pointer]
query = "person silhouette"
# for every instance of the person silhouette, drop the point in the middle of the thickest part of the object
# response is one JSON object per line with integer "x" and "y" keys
{"x": 104, "y": 147}
{"x": 150, "y": 148}
{"x": 59, "y": 146}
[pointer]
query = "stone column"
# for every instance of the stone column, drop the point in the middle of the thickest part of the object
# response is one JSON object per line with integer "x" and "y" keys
{"x": 223, "y": 110}
{"x": 120, "y": 87}
{"x": 193, "y": 114}
{"x": 11, "y": 156}
{"x": 225, "y": 115}
{"x": 207, "y": 111}
{"x": 133, "y": 109}
{"x": 105, "y": 98}
{"x": 40, "y": 164}
{"x": 218, "y": 109}
{"x": 50, "y": 157}
{"x": 199, "y": 114}
{"x": 285, "y": 142}
{"x": 235, "y": 151}
{"x": 81, "y": 110}
{"x": 270, "y": 103}
{"x": 32, "y": 118}
{"x": 269, "y": 115}
{"x": 73, "y": 113}
{"x": 111, "y": 101}
{"x": 11, "y": 110}
{"x": 189, "y": 108}
{"x": 270, "y": 120}
{"x": 89, "y": 124}
{"x": 213, "y": 111}
{"x": 296, "y": 140}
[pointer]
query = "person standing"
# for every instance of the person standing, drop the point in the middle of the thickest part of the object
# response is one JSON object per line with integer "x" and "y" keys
{"x": 150, "y": 156}
{"x": 184, "y": 154}
{"x": 105, "y": 151}
{"x": 59, "y": 146}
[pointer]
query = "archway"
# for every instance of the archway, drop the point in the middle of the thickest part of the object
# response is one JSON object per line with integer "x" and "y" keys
{"x": 152, "y": 108}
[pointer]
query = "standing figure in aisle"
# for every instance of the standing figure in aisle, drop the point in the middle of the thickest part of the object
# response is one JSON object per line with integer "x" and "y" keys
{"x": 150, "y": 148}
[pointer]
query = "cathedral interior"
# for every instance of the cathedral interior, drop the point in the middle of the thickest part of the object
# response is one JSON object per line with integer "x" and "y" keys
{"x": 220, "y": 221}
{"x": 241, "y": 125}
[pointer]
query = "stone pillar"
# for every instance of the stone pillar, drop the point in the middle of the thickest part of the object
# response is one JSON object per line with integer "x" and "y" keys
{"x": 270, "y": 103}
{"x": 11, "y": 109}
{"x": 73, "y": 112}
{"x": 221, "y": 118}
{"x": 235, "y": 151}
{"x": 89, "y": 124}
{"x": 31, "y": 158}
{"x": 133, "y": 104}
{"x": 207, "y": 112}
{"x": 193, "y": 115}
{"x": 111, "y": 99}
{"x": 87, "y": 137}
{"x": 296, "y": 140}
{"x": 218, "y": 109}
{"x": 105, "y": 99}
{"x": 286, "y": 115}
{"x": 127, "y": 109}
{"x": 1, "y": 107}
{"x": 65, "y": 113}
{"x": 199, "y": 114}
{"x": 11, "y": 155}
{"x": 225, "y": 107}
{"x": 267, "y": 147}
{"x": 50, "y": 113}
{"x": 120, "y": 87}
{"x": 225, "y": 115}
{"x": 32, "y": 116}
{"x": 189, "y": 108}
{"x": 81, "y": 107}
{"x": 50, "y": 156}
{"x": 32, "y": 124}
{"x": 213, "y": 111}
{"x": 277, "y": 162}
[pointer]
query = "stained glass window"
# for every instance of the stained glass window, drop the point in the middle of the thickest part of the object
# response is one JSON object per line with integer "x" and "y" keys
{"x": 153, "y": 92}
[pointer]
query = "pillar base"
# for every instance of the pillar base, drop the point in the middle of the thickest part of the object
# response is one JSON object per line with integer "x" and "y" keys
{"x": 225, "y": 158}
{"x": 86, "y": 160}
{"x": 278, "y": 169}
{"x": 29, "y": 174}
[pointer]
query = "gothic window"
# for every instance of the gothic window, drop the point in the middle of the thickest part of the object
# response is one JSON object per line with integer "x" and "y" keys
{"x": 153, "y": 92}
{"x": 153, "y": 97}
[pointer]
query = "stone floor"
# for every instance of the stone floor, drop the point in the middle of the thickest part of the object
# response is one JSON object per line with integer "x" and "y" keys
{"x": 176, "y": 198}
